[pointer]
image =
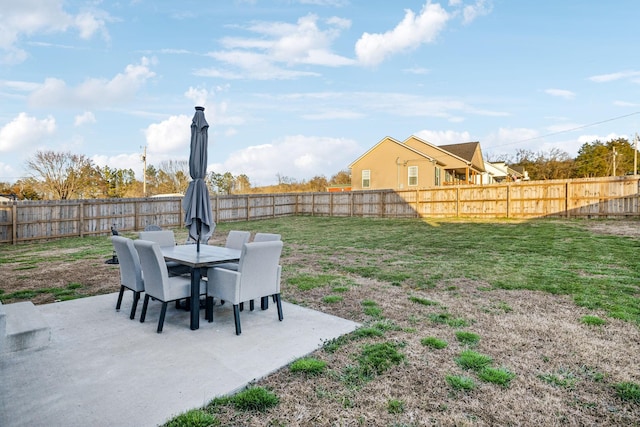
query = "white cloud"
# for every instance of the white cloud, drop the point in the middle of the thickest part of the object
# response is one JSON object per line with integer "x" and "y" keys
{"x": 22, "y": 19}
{"x": 566, "y": 94}
{"x": 471, "y": 12}
{"x": 123, "y": 161}
{"x": 6, "y": 170}
{"x": 299, "y": 157}
{"x": 629, "y": 74}
{"x": 198, "y": 96}
{"x": 416, "y": 70}
{"x": 584, "y": 139}
{"x": 625, "y": 104}
{"x": 170, "y": 135}
{"x": 25, "y": 131}
{"x": 94, "y": 92}
{"x": 302, "y": 43}
{"x": 439, "y": 137}
{"x": 334, "y": 114}
{"x": 413, "y": 31}
{"x": 334, "y": 3}
{"x": 84, "y": 118}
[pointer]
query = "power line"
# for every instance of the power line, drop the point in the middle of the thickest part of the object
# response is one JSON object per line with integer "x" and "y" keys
{"x": 567, "y": 130}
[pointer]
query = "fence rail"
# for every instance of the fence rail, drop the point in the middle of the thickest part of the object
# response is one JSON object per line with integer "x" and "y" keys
{"x": 610, "y": 197}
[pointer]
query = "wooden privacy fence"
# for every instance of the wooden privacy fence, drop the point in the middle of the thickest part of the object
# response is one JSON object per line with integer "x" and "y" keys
{"x": 610, "y": 197}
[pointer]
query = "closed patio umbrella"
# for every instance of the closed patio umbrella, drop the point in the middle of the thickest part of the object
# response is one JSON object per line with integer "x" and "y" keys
{"x": 198, "y": 216}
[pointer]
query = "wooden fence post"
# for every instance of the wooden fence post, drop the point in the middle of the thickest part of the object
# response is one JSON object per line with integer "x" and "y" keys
{"x": 81, "y": 219}
{"x": 566, "y": 199}
{"x": 14, "y": 219}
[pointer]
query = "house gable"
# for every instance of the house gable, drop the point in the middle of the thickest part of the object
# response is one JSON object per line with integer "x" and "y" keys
{"x": 389, "y": 164}
{"x": 469, "y": 151}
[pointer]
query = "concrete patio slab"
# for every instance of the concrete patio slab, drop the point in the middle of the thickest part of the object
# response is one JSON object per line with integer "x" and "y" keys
{"x": 103, "y": 369}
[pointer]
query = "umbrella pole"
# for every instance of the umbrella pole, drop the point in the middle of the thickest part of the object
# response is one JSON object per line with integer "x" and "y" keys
{"x": 199, "y": 228}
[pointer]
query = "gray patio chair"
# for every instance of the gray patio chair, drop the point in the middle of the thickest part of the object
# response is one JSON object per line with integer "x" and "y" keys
{"x": 130, "y": 271}
{"x": 235, "y": 240}
{"x": 158, "y": 284}
{"x": 152, "y": 227}
{"x": 266, "y": 237}
{"x": 258, "y": 276}
{"x": 162, "y": 237}
{"x": 165, "y": 238}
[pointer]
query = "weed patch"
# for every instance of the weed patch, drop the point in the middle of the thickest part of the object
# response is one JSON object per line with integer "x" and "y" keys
{"x": 593, "y": 321}
{"x": 433, "y": 342}
{"x": 309, "y": 366}
{"x": 467, "y": 338}
{"x": 460, "y": 382}
{"x": 194, "y": 418}
{"x": 628, "y": 391}
{"x": 472, "y": 360}
{"x": 499, "y": 376}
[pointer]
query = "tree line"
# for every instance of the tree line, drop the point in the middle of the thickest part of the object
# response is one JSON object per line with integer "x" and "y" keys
{"x": 65, "y": 175}
{"x": 595, "y": 159}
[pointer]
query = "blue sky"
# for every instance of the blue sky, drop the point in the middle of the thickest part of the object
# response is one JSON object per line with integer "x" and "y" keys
{"x": 299, "y": 88}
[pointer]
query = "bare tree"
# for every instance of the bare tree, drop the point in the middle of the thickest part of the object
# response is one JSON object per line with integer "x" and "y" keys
{"x": 61, "y": 175}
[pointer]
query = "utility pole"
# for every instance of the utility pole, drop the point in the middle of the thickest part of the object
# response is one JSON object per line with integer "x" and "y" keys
{"x": 144, "y": 171}
{"x": 635, "y": 157}
{"x": 615, "y": 153}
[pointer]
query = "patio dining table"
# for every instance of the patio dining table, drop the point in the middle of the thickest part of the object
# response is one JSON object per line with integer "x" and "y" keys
{"x": 207, "y": 257}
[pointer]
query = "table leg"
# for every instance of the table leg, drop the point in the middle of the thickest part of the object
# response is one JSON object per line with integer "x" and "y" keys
{"x": 195, "y": 298}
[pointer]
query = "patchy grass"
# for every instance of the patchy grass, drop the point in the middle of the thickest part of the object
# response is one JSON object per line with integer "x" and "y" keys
{"x": 194, "y": 418}
{"x": 460, "y": 382}
{"x": 251, "y": 399}
{"x": 434, "y": 342}
{"x": 524, "y": 286}
{"x": 499, "y": 376}
{"x": 472, "y": 360}
{"x": 593, "y": 320}
{"x": 309, "y": 366}
{"x": 628, "y": 391}
{"x": 467, "y": 338}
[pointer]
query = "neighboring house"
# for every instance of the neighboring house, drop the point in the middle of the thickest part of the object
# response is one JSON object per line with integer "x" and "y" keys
{"x": 501, "y": 172}
{"x": 415, "y": 163}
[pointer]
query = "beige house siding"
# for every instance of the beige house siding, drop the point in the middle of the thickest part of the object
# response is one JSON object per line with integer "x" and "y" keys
{"x": 389, "y": 163}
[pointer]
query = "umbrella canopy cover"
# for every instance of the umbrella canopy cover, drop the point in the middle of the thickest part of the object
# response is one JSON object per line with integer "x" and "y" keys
{"x": 197, "y": 206}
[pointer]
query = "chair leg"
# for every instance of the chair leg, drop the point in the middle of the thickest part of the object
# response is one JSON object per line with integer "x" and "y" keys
{"x": 163, "y": 312}
{"x": 136, "y": 298}
{"x": 144, "y": 308}
{"x": 279, "y": 304}
{"x": 241, "y": 306}
{"x": 120, "y": 298}
{"x": 264, "y": 303}
{"x": 273, "y": 297}
{"x": 209, "y": 309}
{"x": 236, "y": 316}
{"x": 251, "y": 305}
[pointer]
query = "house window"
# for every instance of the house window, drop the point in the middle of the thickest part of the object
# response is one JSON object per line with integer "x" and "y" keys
{"x": 366, "y": 178}
{"x": 413, "y": 176}
{"x": 437, "y": 181}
